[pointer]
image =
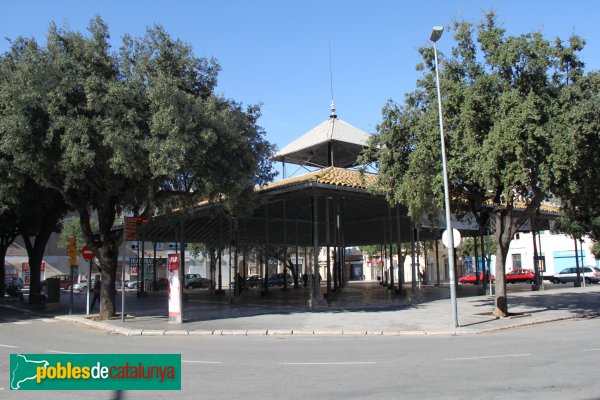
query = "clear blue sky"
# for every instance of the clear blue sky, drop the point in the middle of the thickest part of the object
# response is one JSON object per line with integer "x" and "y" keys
{"x": 277, "y": 52}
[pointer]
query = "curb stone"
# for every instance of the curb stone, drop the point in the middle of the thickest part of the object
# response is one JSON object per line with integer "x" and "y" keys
{"x": 176, "y": 332}
{"x": 153, "y": 332}
{"x": 107, "y": 327}
{"x": 201, "y": 333}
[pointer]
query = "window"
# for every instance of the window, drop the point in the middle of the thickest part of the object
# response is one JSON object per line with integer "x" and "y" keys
{"x": 516, "y": 261}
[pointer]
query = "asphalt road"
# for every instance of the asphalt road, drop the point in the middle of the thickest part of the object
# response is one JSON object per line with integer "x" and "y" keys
{"x": 551, "y": 361}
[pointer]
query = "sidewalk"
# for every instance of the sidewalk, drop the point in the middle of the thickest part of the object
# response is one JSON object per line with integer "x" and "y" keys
{"x": 360, "y": 309}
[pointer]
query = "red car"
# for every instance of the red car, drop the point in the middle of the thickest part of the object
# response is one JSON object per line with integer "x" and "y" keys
{"x": 520, "y": 275}
{"x": 470, "y": 278}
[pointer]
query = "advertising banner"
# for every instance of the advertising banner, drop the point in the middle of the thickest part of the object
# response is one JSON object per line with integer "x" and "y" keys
{"x": 174, "y": 288}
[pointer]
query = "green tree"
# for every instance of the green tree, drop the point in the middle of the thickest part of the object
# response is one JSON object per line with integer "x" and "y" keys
{"x": 596, "y": 250}
{"x": 500, "y": 96}
{"x": 136, "y": 131}
{"x": 35, "y": 209}
{"x": 72, "y": 227}
{"x": 576, "y": 143}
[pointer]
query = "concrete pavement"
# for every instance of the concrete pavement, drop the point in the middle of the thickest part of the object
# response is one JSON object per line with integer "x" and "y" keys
{"x": 362, "y": 308}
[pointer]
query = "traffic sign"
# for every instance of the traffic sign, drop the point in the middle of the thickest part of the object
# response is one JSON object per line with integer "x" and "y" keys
{"x": 87, "y": 253}
{"x": 72, "y": 250}
{"x": 455, "y": 236}
{"x": 131, "y": 224}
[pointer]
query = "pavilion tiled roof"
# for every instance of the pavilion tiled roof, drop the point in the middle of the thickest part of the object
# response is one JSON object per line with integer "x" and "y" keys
{"x": 328, "y": 176}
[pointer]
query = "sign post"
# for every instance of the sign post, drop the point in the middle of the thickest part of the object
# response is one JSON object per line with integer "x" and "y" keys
{"x": 173, "y": 265}
{"x": 72, "y": 253}
{"x": 88, "y": 254}
{"x": 130, "y": 225}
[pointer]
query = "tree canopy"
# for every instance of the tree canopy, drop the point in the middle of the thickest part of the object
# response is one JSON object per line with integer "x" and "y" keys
{"x": 136, "y": 130}
{"x": 502, "y": 96}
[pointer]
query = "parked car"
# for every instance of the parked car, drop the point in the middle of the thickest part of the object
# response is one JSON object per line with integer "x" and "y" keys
{"x": 14, "y": 282}
{"x": 131, "y": 284}
{"x": 277, "y": 280}
{"x": 520, "y": 275}
{"x": 471, "y": 278}
{"x": 197, "y": 282}
{"x": 82, "y": 286}
{"x": 254, "y": 281}
{"x": 591, "y": 274}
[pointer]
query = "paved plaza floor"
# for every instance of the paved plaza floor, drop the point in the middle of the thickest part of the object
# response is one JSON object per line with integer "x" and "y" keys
{"x": 360, "y": 308}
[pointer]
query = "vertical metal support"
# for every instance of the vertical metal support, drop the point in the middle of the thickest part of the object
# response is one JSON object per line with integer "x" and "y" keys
{"x": 220, "y": 249}
{"x": 122, "y": 277}
{"x": 266, "y": 282}
{"x": 314, "y": 279}
{"x": 181, "y": 270}
{"x": 285, "y": 249}
{"x": 543, "y": 259}
{"x": 451, "y": 261}
{"x": 343, "y": 277}
{"x": 154, "y": 267}
{"x": 327, "y": 243}
{"x": 229, "y": 262}
{"x": 399, "y": 244}
{"x": 143, "y": 266}
{"x": 336, "y": 242}
{"x": 582, "y": 258}
{"x": 413, "y": 285}
{"x": 437, "y": 259}
{"x": 419, "y": 273}
{"x": 87, "y": 295}
{"x": 220, "y": 290}
{"x": 391, "y": 241}
{"x": 71, "y": 290}
{"x": 384, "y": 258}
{"x": 476, "y": 262}
{"x": 536, "y": 270}
{"x": 283, "y": 168}
{"x": 425, "y": 269}
{"x": 296, "y": 283}
{"x": 488, "y": 260}
{"x": 578, "y": 279}
{"x": 237, "y": 283}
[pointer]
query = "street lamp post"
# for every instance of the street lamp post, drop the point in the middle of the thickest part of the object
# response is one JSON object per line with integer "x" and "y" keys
{"x": 436, "y": 34}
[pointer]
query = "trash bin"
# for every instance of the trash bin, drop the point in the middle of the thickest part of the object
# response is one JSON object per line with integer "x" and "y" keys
{"x": 53, "y": 290}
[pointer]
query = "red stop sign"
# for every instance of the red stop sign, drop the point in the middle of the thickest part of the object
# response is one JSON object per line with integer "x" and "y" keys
{"x": 87, "y": 253}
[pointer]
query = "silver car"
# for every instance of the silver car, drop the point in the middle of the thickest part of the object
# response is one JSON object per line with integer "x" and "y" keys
{"x": 591, "y": 274}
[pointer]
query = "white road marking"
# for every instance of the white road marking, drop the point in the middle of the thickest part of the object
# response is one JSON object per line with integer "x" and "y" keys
{"x": 61, "y": 352}
{"x": 47, "y": 320}
{"x": 592, "y": 350}
{"x": 201, "y": 362}
{"x": 487, "y": 357}
{"x": 22, "y": 322}
{"x": 330, "y": 363}
{"x": 8, "y": 346}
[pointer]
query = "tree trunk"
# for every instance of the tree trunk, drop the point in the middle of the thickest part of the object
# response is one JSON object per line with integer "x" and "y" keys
{"x": 35, "y": 254}
{"x": 504, "y": 230}
{"x": 105, "y": 245}
{"x": 3, "y": 250}
{"x": 5, "y": 241}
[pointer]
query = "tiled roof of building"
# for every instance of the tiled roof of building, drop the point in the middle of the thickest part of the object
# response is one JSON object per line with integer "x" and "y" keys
{"x": 329, "y": 176}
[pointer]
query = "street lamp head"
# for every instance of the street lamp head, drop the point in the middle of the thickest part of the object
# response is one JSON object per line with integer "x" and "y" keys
{"x": 436, "y": 33}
